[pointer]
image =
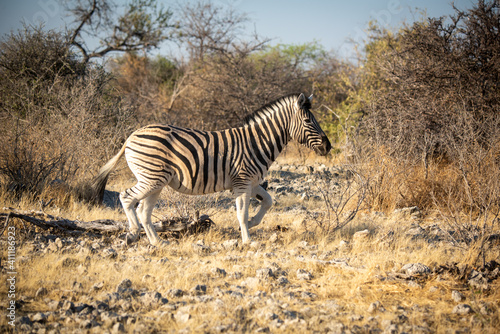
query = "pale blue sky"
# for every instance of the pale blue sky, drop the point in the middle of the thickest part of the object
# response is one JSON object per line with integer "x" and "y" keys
{"x": 330, "y": 22}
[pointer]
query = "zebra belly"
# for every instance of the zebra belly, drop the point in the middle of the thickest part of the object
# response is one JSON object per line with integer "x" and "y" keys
{"x": 199, "y": 188}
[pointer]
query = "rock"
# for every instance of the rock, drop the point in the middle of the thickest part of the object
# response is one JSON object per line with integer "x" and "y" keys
{"x": 376, "y": 306}
{"x": 152, "y": 299}
{"x": 457, "y": 296}
{"x": 462, "y": 309}
{"x": 201, "y": 249}
{"x": 109, "y": 253}
{"x": 124, "y": 285}
{"x": 97, "y": 286}
{"x": 218, "y": 272}
{"x": 414, "y": 284}
{"x": 478, "y": 281}
{"x": 415, "y": 269}
{"x": 303, "y": 274}
{"x": 264, "y": 273}
{"x": 198, "y": 290}
{"x": 24, "y": 321}
{"x": 336, "y": 328}
{"x": 39, "y": 317}
{"x": 416, "y": 232}
{"x": 230, "y": 244}
{"x": 273, "y": 238}
{"x": 87, "y": 324}
{"x": 361, "y": 236}
{"x": 59, "y": 243}
{"x": 67, "y": 306}
{"x": 282, "y": 280}
{"x": 183, "y": 314}
{"x": 410, "y": 212}
{"x": 251, "y": 282}
{"x": 108, "y": 317}
{"x": 175, "y": 293}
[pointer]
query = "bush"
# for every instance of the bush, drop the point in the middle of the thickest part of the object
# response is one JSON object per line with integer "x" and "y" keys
{"x": 58, "y": 128}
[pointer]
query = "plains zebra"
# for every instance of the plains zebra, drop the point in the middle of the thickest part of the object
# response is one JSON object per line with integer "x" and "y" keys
{"x": 200, "y": 162}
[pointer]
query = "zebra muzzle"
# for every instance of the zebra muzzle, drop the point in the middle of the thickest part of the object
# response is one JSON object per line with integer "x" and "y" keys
{"x": 325, "y": 146}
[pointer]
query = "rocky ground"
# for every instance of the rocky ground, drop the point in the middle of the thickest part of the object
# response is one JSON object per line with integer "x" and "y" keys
{"x": 394, "y": 273}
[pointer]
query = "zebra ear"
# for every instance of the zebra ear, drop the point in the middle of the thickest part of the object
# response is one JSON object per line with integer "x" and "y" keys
{"x": 301, "y": 100}
{"x": 310, "y": 98}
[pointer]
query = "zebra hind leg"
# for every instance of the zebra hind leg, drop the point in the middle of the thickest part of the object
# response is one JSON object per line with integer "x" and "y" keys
{"x": 129, "y": 201}
{"x": 266, "y": 202}
{"x": 129, "y": 198}
{"x": 144, "y": 212}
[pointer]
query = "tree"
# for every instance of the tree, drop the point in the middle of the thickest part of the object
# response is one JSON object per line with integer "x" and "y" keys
{"x": 206, "y": 28}
{"x": 142, "y": 26}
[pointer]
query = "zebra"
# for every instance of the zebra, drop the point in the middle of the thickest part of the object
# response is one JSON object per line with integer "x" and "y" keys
{"x": 198, "y": 162}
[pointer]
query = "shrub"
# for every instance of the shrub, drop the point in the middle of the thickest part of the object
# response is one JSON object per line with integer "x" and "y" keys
{"x": 57, "y": 127}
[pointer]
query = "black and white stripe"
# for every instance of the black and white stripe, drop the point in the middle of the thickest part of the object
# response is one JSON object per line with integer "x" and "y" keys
{"x": 200, "y": 162}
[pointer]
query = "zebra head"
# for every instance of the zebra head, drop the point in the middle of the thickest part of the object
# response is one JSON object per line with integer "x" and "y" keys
{"x": 306, "y": 130}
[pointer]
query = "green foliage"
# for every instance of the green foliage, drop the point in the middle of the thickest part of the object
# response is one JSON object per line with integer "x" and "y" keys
{"x": 298, "y": 56}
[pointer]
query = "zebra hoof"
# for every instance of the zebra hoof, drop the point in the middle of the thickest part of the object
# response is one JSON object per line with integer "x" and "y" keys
{"x": 131, "y": 238}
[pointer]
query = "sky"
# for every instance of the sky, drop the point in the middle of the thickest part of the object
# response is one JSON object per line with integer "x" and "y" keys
{"x": 332, "y": 23}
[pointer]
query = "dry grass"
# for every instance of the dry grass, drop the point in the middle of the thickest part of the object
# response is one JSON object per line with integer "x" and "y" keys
{"x": 338, "y": 292}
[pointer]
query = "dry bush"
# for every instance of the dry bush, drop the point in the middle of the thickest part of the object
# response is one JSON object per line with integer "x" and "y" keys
{"x": 430, "y": 101}
{"x": 342, "y": 199}
{"x": 60, "y": 123}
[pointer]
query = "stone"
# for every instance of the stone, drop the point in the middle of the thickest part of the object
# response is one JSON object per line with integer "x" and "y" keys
{"x": 152, "y": 299}
{"x": 264, "y": 273}
{"x": 230, "y": 244}
{"x": 361, "y": 236}
{"x": 376, "y": 306}
{"x": 201, "y": 249}
{"x": 59, "y": 243}
{"x": 303, "y": 274}
{"x": 175, "y": 293}
{"x": 218, "y": 272}
{"x": 124, "y": 285}
{"x": 273, "y": 238}
{"x": 415, "y": 269}
{"x": 109, "y": 253}
{"x": 336, "y": 328}
{"x": 478, "y": 281}
{"x": 462, "y": 309}
{"x": 282, "y": 280}
{"x": 39, "y": 317}
{"x": 198, "y": 290}
{"x": 457, "y": 296}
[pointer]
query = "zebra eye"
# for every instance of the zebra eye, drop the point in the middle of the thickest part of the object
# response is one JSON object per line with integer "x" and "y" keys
{"x": 307, "y": 121}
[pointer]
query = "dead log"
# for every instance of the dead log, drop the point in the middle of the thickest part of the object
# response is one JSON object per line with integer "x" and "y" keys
{"x": 177, "y": 227}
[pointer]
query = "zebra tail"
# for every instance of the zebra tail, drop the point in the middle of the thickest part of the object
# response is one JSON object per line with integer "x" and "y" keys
{"x": 99, "y": 183}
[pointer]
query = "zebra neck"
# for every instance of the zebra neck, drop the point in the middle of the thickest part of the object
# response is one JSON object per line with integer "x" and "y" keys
{"x": 269, "y": 138}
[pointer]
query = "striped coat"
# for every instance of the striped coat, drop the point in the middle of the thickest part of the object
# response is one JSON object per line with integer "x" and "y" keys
{"x": 199, "y": 162}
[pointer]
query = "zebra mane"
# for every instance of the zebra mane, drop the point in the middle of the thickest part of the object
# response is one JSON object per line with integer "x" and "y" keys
{"x": 268, "y": 109}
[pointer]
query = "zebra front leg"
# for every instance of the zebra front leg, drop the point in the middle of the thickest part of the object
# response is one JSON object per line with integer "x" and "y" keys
{"x": 266, "y": 202}
{"x": 242, "y": 203}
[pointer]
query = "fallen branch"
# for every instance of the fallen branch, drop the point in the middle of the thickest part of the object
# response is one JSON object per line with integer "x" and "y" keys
{"x": 177, "y": 227}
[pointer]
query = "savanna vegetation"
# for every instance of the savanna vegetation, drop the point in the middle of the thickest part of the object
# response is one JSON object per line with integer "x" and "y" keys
{"x": 415, "y": 120}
